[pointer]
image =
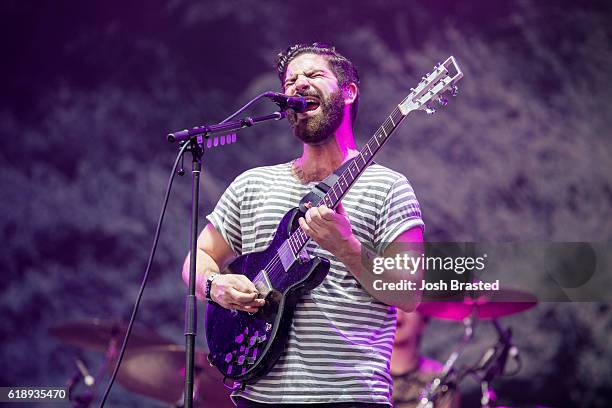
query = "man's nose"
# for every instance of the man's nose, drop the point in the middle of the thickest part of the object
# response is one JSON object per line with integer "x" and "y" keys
{"x": 301, "y": 83}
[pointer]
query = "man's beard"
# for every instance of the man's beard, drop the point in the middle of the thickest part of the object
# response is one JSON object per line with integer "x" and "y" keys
{"x": 317, "y": 129}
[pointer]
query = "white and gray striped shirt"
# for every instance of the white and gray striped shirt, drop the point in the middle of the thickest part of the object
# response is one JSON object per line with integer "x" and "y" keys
{"x": 341, "y": 338}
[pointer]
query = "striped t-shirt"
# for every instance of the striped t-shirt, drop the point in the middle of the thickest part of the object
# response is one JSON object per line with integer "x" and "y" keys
{"x": 341, "y": 338}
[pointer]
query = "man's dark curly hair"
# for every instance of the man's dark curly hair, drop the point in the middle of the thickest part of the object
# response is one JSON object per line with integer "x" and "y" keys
{"x": 341, "y": 66}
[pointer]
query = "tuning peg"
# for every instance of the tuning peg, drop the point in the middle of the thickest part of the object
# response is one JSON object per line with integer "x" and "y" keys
{"x": 442, "y": 101}
{"x": 429, "y": 110}
{"x": 454, "y": 90}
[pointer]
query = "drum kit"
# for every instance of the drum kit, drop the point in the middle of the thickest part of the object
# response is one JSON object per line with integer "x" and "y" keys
{"x": 153, "y": 366}
{"x": 475, "y": 306}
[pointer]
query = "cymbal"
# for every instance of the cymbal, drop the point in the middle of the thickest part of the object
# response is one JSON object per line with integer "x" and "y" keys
{"x": 96, "y": 334}
{"x": 487, "y": 305}
{"x": 159, "y": 372}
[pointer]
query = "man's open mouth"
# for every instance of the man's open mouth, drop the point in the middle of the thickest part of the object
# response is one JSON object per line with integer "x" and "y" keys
{"x": 311, "y": 104}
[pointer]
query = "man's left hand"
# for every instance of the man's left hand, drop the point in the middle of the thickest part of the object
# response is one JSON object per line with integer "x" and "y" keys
{"x": 331, "y": 230}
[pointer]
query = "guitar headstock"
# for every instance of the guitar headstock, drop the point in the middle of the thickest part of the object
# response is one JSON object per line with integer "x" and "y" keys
{"x": 432, "y": 88}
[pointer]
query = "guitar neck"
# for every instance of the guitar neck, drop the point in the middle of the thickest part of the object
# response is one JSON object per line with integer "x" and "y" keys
{"x": 431, "y": 88}
{"x": 350, "y": 175}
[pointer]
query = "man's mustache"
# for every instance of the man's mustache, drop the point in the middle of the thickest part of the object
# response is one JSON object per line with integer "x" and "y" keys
{"x": 308, "y": 93}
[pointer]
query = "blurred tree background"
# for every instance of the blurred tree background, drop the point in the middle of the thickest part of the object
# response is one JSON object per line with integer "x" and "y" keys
{"x": 91, "y": 88}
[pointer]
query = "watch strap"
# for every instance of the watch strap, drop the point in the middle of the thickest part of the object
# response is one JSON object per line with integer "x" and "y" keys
{"x": 208, "y": 287}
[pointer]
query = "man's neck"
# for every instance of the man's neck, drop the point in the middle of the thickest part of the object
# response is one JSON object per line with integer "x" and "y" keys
{"x": 319, "y": 161}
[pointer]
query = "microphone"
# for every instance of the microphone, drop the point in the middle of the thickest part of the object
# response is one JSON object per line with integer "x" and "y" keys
{"x": 296, "y": 103}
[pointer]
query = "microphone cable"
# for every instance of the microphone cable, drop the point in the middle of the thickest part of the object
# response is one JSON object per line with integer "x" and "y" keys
{"x": 146, "y": 274}
{"x": 245, "y": 107}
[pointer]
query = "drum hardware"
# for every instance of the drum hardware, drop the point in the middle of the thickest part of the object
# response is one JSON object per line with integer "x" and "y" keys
{"x": 158, "y": 372}
{"x": 153, "y": 366}
{"x": 484, "y": 306}
{"x": 493, "y": 363}
{"x": 84, "y": 398}
{"x": 447, "y": 377}
{"x": 99, "y": 335}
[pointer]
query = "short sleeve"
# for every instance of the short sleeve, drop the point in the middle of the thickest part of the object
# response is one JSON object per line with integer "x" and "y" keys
{"x": 226, "y": 218}
{"x": 400, "y": 212}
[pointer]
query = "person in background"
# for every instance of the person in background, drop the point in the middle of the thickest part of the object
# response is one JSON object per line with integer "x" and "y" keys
{"x": 410, "y": 370}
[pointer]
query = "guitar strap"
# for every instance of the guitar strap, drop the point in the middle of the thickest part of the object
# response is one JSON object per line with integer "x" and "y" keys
{"x": 317, "y": 193}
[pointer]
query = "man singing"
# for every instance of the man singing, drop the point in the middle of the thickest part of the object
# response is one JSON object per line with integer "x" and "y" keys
{"x": 341, "y": 336}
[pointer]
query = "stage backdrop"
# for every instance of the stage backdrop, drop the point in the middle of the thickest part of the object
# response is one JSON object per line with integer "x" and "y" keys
{"x": 91, "y": 88}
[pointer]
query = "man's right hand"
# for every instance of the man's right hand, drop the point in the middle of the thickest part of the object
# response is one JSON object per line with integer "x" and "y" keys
{"x": 233, "y": 291}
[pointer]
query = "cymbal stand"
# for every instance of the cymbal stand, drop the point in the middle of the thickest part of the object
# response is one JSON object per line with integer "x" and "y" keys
{"x": 504, "y": 349}
{"x": 446, "y": 378}
{"x": 81, "y": 399}
{"x": 492, "y": 364}
{"x": 84, "y": 399}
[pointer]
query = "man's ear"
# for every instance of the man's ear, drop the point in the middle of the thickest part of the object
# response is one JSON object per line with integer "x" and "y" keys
{"x": 350, "y": 93}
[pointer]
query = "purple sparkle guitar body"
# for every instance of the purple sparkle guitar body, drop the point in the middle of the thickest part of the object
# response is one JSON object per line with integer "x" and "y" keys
{"x": 244, "y": 346}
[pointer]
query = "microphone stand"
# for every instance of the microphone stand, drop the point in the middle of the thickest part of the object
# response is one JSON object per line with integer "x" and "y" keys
{"x": 191, "y": 306}
{"x": 223, "y": 127}
{"x": 196, "y": 139}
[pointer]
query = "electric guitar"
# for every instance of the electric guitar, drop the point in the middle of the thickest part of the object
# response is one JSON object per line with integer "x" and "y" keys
{"x": 246, "y": 346}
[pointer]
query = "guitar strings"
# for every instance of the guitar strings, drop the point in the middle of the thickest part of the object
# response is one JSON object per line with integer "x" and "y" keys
{"x": 272, "y": 268}
{"x": 273, "y": 265}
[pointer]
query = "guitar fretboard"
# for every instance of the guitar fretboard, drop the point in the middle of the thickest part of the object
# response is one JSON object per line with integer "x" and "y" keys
{"x": 298, "y": 238}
